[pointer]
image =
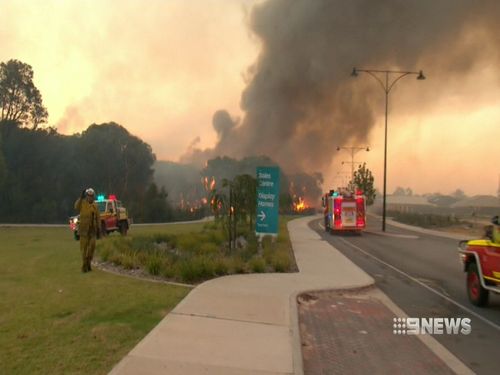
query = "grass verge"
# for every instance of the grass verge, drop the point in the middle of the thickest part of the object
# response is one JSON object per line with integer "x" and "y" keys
{"x": 56, "y": 320}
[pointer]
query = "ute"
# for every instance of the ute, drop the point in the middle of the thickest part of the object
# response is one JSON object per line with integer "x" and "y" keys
{"x": 344, "y": 211}
{"x": 481, "y": 261}
{"x": 113, "y": 217}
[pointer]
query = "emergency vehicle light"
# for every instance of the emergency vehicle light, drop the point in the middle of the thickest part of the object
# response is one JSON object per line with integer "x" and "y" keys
{"x": 335, "y": 194}
{"x": 100, "y": 198}
{"x": 112, "y": 197}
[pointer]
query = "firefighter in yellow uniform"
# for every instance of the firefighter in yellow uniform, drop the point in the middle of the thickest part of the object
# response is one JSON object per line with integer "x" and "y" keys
{"x": 496, "y": 229}
{"x": 88, "y": 226}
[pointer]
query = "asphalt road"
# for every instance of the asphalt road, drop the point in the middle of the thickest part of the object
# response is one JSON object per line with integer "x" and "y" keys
{"x": 422, "y": 274}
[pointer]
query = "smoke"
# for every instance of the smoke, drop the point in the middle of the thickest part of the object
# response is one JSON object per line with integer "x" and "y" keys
{"x": 223, "y": 124}
{"x": 72, "y": 120}
{"x": 300, "y": 101}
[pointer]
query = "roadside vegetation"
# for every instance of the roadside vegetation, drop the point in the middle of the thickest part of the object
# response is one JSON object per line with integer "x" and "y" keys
{"x": 196, "y": 255}
{"x": 425, "y": 220}
{"x": 56, "y": 320}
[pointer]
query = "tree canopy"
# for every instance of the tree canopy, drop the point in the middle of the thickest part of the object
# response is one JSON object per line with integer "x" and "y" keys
{"x": 363, "y": 179}
{"x": 46, "y": 171}
{"x": 20, "y": 100}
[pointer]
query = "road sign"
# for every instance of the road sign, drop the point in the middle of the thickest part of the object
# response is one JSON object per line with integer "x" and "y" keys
{"x": 268, "y": 200}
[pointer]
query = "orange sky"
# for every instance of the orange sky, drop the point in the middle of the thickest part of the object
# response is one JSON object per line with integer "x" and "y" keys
{"x": 162, "y": 68}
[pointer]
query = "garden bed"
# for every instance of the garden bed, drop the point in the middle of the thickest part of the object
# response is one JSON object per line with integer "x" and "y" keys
{"x": 196, "y": 256}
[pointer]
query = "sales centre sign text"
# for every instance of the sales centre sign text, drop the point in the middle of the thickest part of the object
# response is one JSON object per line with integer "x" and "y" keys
{"x": 268, "y": 189}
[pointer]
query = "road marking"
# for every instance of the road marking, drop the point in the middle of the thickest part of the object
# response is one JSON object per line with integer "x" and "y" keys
{"x": 396, "y": 235}
{"x": 423, "y": 285}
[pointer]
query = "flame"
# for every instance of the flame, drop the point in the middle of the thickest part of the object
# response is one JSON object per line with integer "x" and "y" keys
{"x": 300, "y": 205}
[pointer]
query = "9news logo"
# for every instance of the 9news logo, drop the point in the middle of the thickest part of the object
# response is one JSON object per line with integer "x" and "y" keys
{"x": 431, "y": 326}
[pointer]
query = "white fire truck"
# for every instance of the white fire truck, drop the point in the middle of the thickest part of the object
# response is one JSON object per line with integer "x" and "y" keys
{"x": 344, "y": 211}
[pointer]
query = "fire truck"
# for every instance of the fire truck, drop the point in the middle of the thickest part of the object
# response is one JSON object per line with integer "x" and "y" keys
{"x": 113, "y": 217}
{"x": 344, "y": 211}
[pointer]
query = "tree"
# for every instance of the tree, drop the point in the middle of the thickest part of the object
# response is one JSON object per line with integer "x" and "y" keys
{"x": 458, "y": 194}
{"x": 156, "y": 207}
{"x": 363, "y": 179}
{"x": 3, "y": 167}
{"x": 20, "y": 100}
{"x": 399, "y": 191}
{"x": 245, "y": 195}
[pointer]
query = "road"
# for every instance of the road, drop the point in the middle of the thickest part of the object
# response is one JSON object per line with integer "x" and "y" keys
{"x": 422, "y": 274}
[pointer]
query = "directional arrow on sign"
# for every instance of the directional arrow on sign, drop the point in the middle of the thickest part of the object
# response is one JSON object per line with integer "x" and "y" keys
{"x": 262, "y": 215}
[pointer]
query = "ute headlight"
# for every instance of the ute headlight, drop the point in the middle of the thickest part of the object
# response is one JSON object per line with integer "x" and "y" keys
{"x": 75, "y": 220}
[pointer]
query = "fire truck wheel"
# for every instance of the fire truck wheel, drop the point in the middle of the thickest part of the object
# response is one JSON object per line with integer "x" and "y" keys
{"x": 477, "y": 294}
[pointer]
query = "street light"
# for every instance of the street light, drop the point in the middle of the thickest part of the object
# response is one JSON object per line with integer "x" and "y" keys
{"x": 386, "y": 86}
{"x": 353, "y": 151}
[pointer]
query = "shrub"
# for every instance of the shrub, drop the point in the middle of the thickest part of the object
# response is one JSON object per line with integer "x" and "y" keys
{"x": 128, "y": 261}
{"x": 221, "y": 267}
{"x": 248, "y": 253}
{"x": 257, "y": 264}
{"x": 208, "y": 248}
{"x": 143, "y": 243}
{"x": 216, "y": 237}
{"x": 195, "y": 269}
{"x": 154, "y": 265}
{"x": 280, "y": 262}
{"x": 238, "y": 265}
{"x": 116, "y": 258}
{"x": 105, "y": 253}
{"x": 168, "y": 270}
{"x": 189, "y": 242}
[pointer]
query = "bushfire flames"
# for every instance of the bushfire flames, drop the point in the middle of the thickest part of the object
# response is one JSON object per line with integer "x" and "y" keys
{"x": 300, "y": 205}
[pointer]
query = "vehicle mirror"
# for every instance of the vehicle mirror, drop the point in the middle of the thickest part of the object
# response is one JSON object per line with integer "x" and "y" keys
{"x": 495, "y": 220}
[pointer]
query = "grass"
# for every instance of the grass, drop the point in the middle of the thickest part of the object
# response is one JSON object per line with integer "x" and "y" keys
{"x": 56, "y": 320}
{"x": 197, "y": 253}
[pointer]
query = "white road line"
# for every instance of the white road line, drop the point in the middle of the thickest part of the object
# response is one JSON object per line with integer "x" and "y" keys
{"x": 423, "y": 285}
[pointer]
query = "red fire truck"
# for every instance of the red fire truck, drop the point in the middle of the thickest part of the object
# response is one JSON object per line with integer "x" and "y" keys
{"x": 344, "y": 211}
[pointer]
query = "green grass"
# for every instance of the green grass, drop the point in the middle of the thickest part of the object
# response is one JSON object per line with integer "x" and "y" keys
{"x": 56, "y": 320}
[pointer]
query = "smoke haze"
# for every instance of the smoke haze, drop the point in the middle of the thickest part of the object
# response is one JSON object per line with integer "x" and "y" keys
{"x": 201, "y": 79}
{"x": 301, "y": 100}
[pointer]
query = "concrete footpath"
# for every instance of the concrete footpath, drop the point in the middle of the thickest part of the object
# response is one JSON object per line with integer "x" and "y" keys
{"x": 247, "y": 324}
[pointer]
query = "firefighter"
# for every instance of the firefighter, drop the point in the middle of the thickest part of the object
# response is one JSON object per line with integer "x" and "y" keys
{"x": 88, "y": 226}
{"x": 496, "y": 229}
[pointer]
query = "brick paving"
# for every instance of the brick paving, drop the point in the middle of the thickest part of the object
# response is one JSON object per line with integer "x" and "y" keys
{"x": 345, "y": 333}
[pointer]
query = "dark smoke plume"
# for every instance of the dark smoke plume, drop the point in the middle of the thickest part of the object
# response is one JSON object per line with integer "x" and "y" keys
{"x": 301, "y": 102}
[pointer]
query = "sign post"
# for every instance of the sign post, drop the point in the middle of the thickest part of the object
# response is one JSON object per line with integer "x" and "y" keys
{"x": 268, "y": 200}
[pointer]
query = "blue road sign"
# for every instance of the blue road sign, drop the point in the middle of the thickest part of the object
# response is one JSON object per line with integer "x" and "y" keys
{"x": 268, "y": 200}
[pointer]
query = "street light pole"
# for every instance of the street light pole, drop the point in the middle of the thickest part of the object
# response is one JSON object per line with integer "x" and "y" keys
{"x": 386, "y": 86}
{"x": 353, "y": 151}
